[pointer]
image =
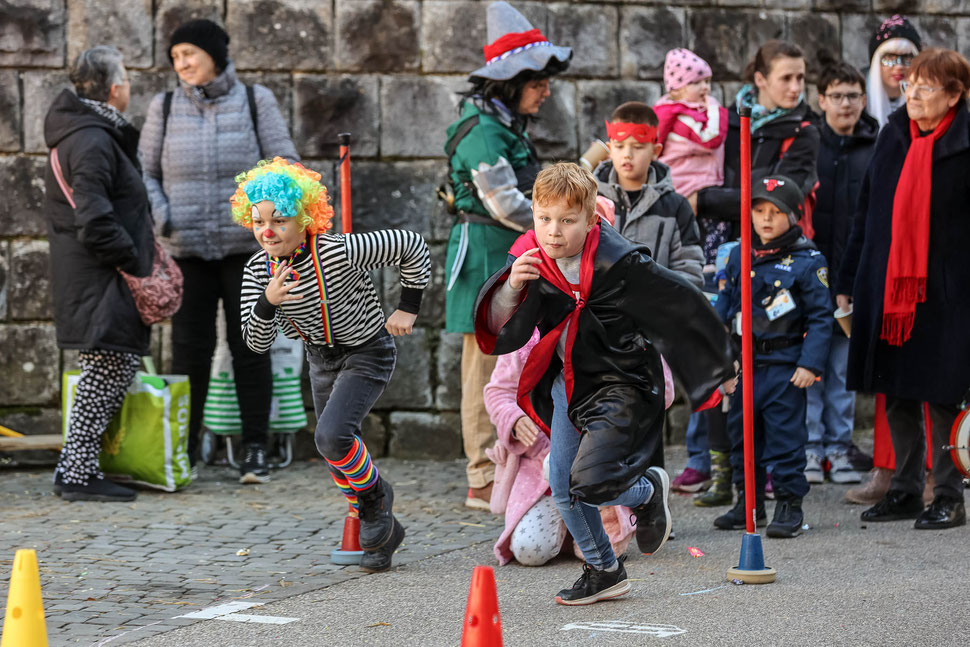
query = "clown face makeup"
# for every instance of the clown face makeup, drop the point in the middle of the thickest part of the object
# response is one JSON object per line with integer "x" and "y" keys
{"x": 278, "y": 235}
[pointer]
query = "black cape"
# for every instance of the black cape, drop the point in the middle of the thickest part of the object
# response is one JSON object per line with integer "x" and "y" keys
{"x": 636, "y": 310}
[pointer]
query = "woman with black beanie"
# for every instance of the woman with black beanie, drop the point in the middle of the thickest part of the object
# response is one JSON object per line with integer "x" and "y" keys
{"x": 194, "y": 142}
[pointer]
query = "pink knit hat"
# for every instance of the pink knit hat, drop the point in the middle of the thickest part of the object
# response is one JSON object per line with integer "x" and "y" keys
{"x": 683, "y": 66}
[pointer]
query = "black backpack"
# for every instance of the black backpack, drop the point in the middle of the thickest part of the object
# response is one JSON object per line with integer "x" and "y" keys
{"x": 166, "y": 111}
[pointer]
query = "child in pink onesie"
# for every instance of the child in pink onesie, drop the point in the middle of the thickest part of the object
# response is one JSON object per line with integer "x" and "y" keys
{"x": 693, "y": 126}
{"x": 534, "y": 531}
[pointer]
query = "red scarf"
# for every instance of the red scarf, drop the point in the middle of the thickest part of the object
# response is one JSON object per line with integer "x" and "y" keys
{"x": 909, "y": 249}
{"x": 543, "y": 352}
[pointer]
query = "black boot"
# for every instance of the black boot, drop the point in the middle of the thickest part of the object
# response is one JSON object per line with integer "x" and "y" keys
{"x": 734, "y": 518}
{"x": 944, "y": 512}
{"x": 375, "y": 561}
{"x": 894, "y": 506}
{"x": 97, "y": 490}
{"x": 788, "y": 518}
{"x": 376, "y": 520}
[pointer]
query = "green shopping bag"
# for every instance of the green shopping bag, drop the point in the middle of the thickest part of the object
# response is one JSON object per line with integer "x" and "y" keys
{"x": 146, "y": 443}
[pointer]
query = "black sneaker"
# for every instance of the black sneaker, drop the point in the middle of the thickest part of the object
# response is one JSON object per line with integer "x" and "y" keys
{"x": 861, "y": 461}
{"x": 254, "y": 468}
{"x": 787, "y": 520}
{"x": 58, "y": 483}
{"x": 97, "y": 490}
{"x": 894, "y": 506}
{"x": 375, "y": 561}
{"x": 734, "y": 518}
{"x": 376, "y": 521}
{"x": 653, "y": 517}
{"x": 594, "y": 585}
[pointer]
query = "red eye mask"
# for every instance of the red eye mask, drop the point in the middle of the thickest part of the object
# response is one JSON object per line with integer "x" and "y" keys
{"x": 641, "y": 132}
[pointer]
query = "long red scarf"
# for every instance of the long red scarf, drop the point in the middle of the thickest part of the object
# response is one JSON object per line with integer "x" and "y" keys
{"x": 543, "y": 352}
{"x": 910, "y": 245}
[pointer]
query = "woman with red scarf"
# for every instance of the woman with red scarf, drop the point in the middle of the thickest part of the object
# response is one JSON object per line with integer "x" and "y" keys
{"x": 906, "y": 272}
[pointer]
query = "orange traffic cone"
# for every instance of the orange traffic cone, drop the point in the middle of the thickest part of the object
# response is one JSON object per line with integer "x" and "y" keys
{"x": 350, "y": 551}
{"x": 483, "y": 625}
{"x": 24, "y": 624}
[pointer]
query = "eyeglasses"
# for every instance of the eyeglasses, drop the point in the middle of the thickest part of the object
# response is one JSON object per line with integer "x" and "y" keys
{"x": 892, "y": 60}
{"x": 918, "y": 90}
{"x": 838, "y": 97}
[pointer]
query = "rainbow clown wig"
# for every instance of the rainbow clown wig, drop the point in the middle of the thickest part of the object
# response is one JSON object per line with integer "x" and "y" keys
{"x": 294, "y": 190}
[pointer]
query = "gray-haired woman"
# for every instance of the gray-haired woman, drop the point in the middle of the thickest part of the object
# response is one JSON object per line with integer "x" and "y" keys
{"x": 107, "y": 228}
{"x": 194, "y": 142}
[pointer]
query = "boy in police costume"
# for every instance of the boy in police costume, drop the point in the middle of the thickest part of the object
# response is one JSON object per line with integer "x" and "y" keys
{"x": 792, "y": 326}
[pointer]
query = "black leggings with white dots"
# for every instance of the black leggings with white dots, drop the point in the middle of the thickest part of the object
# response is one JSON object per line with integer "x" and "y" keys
{"x": 105, "y": 377}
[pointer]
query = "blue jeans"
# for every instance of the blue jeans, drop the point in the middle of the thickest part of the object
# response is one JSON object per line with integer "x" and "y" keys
{"x": 582, "y": 520}
{"x": 830, "y": 411}
{"x": 698, "y": 454}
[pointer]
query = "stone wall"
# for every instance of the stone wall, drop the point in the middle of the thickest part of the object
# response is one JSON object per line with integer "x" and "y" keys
{"x": 388, "y": 71}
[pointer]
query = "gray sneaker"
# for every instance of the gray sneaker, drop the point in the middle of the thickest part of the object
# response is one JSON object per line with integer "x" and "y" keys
{"x": 813, "y": 468}
{"x": 842, "y": 471}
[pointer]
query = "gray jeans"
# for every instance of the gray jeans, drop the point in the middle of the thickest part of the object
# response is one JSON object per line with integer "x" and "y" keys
{"x": 346, "y": 382}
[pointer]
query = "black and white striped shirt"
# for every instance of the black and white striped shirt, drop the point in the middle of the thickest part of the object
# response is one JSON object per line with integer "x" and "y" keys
{"x": 355, "y": 310}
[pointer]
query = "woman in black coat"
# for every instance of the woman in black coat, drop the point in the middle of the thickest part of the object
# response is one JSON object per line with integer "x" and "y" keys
{"x": 912, "y": 343}
{"x": 108, "y": 229}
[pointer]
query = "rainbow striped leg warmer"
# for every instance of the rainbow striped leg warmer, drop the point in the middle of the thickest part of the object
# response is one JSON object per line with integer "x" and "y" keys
{"x": 357, "y": 469}
{"x": 345, "y": 489}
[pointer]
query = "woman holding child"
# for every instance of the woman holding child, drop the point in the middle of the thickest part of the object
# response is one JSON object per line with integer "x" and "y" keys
{"x": 910, "y": 286}
{"x": 782, "y": 140}
{"x": 493, "y": 166}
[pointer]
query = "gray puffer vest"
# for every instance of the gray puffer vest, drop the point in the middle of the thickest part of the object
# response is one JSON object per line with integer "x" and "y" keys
{"x": 190, "y": 175}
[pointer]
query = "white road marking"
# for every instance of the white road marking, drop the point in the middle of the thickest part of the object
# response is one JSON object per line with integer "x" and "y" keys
{"x": 657, "y": 631}
{"x": 221, "y": 610}
{"x": 266, "y": 620}
{"x": 706, "y": 590}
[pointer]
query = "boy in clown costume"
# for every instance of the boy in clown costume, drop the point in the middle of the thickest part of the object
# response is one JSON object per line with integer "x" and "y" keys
{"x": 314, "y": 285}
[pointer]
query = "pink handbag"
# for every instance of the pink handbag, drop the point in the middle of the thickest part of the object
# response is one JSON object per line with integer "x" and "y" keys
{"x": 157, "y": 296}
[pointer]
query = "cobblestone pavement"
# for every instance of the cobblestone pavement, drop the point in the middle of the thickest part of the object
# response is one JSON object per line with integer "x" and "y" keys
{"x": 114, "y": 573}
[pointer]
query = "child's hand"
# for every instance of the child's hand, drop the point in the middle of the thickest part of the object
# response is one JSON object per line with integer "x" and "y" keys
{"x": 524, "y": 269}
{"x": 732, "y": 385}
{"x": 803, "y": 378}
{"x": 400, "y": 323}
{"x": 278, "y": 291}
{"x": 526, "y": 431}
{"x": 692, "y": 201}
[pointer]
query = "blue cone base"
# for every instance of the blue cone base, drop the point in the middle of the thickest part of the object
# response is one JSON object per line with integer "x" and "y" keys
{"x": 346, "y": 557}
{"x": 752, "y": 557}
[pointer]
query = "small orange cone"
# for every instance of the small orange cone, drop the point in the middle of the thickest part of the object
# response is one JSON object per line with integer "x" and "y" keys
{"x": 350, "y": 551}
{"x": 483, "y": 624}
{"x": 24, "y": 624}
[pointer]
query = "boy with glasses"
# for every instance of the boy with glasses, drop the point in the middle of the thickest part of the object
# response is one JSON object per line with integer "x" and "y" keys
{"x": 848, "y": 136}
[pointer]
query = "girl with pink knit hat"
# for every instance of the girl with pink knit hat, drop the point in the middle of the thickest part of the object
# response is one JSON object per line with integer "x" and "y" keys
{"x": 693, "y": 126}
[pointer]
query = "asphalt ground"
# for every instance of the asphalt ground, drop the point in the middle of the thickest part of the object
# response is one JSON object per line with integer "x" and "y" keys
{"x": 128, "y": 574}
{"x": 842, "y": 582}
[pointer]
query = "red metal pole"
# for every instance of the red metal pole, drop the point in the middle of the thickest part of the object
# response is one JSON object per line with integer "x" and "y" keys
{"x": 346, "y": 221}
{"x": 747, "y": 340}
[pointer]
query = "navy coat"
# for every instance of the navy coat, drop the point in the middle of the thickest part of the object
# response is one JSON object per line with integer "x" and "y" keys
{"x": 636, "y": 310}
{"x": 801, "y": 270}
{"x": 933, "y": 365}
{"x": 842, "y": 165}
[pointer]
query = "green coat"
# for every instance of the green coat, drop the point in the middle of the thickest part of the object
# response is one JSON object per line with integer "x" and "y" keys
{"x": 486, "y": 246}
